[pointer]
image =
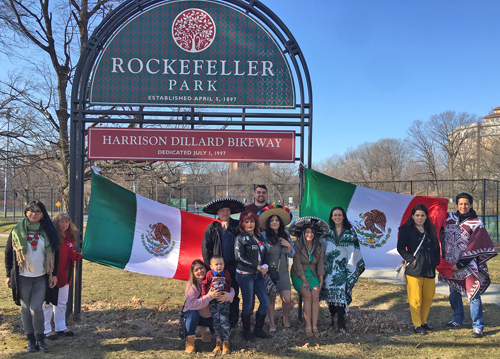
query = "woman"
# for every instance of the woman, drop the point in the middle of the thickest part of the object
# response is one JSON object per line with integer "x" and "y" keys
{"x": 196, "y": 309}
{"x": 418, "y": 245}
{"x": 31, "y": 260}
{"x": 308, "y": 267}
{"x": 251, "y": 264}
{"x": 343, "y": 265}
{"x": 273, "y": 219}
{"x": 67, "y": 258}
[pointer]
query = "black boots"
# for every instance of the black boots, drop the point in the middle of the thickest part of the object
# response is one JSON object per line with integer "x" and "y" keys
{"x": 31, "y": 343}
{"x": 40, "y": 341}
{"x": 247, "y": 333}
{"x": 341, "y": 318}
{"x": 333, "y": 311}
{"x": 258, "y": 330}
{"x": 340, "y": 311}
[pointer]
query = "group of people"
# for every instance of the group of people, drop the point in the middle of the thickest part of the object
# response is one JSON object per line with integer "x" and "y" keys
{"x": 465, "y": 245}
{"x": 245, "y": 255}
{"x": 39, "y": 260}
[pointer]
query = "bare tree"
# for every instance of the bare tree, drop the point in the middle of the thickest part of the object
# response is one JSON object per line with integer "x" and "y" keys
{"x": 451, "y": 131}
{"x": 424, "y": 145}
{"x": 45, "y": 38}
{"x": 393, "y": 157}
{"x": 281, "y": 176}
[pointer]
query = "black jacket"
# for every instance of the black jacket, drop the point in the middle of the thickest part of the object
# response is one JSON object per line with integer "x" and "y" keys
{"x": 428, "y": 256}
{"x": 212, "y": 240}
{"x": 246, "y": 251}
{"x": 12, "y": 271}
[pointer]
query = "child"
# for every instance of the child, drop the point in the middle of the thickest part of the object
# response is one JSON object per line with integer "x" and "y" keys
{"x": 219, "y": 279}
{"x": 67, "y": 258}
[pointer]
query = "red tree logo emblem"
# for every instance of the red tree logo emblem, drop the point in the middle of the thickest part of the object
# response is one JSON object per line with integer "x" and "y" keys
{"x": 193, "y": 30}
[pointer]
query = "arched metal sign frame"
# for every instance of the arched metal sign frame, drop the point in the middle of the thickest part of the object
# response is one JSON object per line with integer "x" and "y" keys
{"x": 82, "y": 112}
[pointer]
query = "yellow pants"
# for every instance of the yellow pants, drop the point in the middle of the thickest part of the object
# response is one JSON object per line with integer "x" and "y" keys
{"x": 420, "y": 294}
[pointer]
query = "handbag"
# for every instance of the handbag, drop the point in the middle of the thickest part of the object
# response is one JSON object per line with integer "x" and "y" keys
{"x": 182, "y": 324}
{"x": 270, "y": 287}
{"x": 401, "y": 268}
{"x": 273, "y": 272}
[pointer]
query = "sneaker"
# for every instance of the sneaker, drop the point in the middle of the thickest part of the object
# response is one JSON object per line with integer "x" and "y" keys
{"x": 452, "y": 325}
{"x": 477, "y": 333}
{"x": 427, "y": 326}
{"x": 419, "y": 330}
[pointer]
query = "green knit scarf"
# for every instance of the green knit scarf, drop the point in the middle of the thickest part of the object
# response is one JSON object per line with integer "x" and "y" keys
{"x": 20, "y": 241}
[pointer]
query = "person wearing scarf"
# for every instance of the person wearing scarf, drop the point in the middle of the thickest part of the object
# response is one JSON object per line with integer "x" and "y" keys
{"x": 343, "y": 265}
{"x": 467, "y": 245}
{"x": 31, "y": 259}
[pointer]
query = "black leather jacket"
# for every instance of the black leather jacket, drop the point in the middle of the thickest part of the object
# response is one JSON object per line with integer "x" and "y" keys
{"x": 246, "y": 251}
{"x": 212, "y": 240}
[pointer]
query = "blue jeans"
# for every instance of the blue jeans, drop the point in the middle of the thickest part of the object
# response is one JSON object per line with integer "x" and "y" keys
{"x": 476, "y": 309}
{"x": 250, "y": 283}
{"x": 193, "y": 319}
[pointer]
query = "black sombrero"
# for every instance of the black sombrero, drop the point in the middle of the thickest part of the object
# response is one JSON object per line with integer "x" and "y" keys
{"x": 320, "y": 226}
{"x": 277, "y": 210}
{"x": 235, "y": 205}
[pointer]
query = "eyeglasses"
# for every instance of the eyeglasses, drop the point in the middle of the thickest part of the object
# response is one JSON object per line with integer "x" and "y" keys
{"x": 37, "y": 212}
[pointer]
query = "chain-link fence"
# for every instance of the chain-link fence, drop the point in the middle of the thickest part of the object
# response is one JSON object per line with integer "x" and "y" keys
{"x": 194, "y": 197}
{"x": 197, "y": 196}
{"x": 13, "y": 208}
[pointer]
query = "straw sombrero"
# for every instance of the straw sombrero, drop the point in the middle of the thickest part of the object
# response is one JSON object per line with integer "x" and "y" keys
{"x": 277, "y": 210}
{"x": 320, "y": 227}
{"x": 235, "y": 205}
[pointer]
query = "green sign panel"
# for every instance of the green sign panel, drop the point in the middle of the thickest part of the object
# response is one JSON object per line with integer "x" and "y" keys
{"x": 193, "y": 53}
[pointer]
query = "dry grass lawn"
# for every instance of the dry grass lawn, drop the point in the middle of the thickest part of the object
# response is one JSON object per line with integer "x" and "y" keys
{"x": 128, "y": 315}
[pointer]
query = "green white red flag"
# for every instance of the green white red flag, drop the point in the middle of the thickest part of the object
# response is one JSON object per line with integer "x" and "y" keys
{"x": 130, "y": 232}
{"x": 376, "y": 215}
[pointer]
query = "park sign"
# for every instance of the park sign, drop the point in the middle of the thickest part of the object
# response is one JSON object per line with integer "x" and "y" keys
{"x": 192, "y": 53}
{"x": 156, "y": 144}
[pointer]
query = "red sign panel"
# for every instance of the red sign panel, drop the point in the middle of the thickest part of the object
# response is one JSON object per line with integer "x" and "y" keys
{"x": 191, "y": 145}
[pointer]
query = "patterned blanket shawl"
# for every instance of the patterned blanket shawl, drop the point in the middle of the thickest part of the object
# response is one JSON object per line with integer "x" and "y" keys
{"x": 343, "y": 266}
{"x": 468, "y": 239}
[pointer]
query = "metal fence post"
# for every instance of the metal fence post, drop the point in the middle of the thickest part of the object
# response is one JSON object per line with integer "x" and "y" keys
{"x": 14, "y": 203}
{"x": 483, "y": 205}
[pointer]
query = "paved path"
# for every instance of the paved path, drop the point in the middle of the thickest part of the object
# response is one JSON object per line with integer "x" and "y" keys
{"x": 492, "y": 294}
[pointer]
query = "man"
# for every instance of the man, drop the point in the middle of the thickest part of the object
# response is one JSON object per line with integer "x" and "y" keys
{"x": 260, "y": 198}
{"x": 219, "y": 239}
{"x": 467, "y": 245}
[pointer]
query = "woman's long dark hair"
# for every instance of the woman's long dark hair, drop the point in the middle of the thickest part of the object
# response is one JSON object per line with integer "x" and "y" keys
{"x": 192, "y": 278}
{"x": 45, "y": 224}
{"x": 271, "y": 235}
{"x": 345, "y": 223}
{"x": 428, "y": 226}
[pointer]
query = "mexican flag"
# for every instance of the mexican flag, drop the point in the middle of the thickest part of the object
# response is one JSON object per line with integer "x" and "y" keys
{"x": 375, "y": 215}
{"x": 130, "y": 232}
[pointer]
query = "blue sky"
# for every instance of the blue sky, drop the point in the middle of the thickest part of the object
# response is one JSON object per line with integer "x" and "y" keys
{"x": 377, "y": 65}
